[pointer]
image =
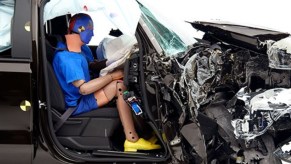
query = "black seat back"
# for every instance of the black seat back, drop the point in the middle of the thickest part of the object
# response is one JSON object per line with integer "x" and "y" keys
{"x": 56, "y": 94}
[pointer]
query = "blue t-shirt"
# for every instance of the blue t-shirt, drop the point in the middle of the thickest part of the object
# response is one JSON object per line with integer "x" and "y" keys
{"x": 69, "y": 67}
{"x": 87, "y": 51}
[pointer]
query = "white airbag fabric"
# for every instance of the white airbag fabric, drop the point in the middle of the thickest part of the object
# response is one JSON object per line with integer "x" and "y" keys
{"x": 117, "y": 50}
{"x": 6, "y": 13}
{"x": 123, "y": 14}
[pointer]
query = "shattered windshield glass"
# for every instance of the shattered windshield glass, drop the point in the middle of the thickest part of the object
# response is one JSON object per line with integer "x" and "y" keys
{"x": 170, "y": 42}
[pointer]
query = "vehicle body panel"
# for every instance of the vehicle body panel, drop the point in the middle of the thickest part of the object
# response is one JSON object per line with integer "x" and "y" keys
{"x": 17, "y": 99}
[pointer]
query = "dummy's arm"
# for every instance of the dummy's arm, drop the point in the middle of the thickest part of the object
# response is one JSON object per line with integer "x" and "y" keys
{"x": 91, "y": 86}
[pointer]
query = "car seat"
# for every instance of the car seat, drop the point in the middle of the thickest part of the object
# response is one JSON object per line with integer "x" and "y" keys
{"x": 88, "y": 131}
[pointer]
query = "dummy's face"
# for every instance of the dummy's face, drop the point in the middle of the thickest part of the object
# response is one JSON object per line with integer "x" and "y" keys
{"x": 85, "y": 28}
{"x": 87, "y": 32}
{"x": 86, "y": 36}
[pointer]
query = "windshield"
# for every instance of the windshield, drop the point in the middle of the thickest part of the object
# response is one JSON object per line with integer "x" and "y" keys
{"x": 170, "y": 42}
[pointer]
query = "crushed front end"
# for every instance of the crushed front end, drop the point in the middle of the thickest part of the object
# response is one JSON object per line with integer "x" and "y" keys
{"x": 219, "y": 102}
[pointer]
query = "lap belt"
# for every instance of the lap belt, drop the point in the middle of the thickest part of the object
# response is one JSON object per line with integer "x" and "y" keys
{"x": 64, "y": 117}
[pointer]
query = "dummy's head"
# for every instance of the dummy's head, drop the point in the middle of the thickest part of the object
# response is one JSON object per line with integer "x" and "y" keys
{"x": 82, "y": 24}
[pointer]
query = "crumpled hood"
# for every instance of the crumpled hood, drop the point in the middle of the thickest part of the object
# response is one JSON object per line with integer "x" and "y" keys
{"x": 251, "y": 31}
{"x": 249, "y": 37}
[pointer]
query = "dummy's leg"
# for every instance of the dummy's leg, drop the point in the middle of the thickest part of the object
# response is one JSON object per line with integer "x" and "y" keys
{"x": 132, "y": 142}
{"x": 125, "y": 115}
{"x": 115, "y": 89}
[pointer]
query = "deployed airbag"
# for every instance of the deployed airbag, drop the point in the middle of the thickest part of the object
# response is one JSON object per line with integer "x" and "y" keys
{"x": 116, "y": 51}
{"x": 116, "y": 11}
{"x": 6, "y": 13}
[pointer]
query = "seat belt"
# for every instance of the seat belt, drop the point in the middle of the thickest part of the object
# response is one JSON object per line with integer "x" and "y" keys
{"x": 64, "y": 117}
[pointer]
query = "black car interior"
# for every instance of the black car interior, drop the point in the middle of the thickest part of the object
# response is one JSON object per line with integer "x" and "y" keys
{"x": 88, "y": 131}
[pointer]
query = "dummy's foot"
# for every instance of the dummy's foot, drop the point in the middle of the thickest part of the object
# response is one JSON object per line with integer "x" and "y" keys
{"x": 140, "y": 144}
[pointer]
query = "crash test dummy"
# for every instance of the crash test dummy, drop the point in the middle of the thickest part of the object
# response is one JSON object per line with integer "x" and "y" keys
{"x": 72, "y": 71}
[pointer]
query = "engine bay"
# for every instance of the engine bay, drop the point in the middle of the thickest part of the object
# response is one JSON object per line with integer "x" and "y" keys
{"x": 219, "y": 103}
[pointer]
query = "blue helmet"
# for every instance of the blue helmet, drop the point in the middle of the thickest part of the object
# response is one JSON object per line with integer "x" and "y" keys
{"x": 82, "y": 24}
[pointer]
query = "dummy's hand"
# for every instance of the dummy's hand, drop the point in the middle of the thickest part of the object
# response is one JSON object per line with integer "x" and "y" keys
{"x": 116, "y": 75}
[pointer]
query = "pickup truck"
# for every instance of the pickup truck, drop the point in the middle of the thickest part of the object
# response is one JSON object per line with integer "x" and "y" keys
{"x": 222, "y": 99}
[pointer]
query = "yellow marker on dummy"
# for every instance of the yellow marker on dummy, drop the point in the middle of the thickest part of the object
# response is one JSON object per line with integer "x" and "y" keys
{"x": 25, "y": 105}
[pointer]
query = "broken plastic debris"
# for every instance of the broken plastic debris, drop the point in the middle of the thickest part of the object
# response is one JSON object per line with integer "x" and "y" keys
{"x": 279, "y": 53}
{"x": 264, "y": 108}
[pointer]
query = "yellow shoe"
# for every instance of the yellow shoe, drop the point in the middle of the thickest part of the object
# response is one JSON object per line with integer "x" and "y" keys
{"x": 140, "y": 144}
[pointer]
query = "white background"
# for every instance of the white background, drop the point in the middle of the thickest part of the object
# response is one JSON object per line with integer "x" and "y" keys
{"x": 268, "y": 13}
{"x": 263, "y": 13}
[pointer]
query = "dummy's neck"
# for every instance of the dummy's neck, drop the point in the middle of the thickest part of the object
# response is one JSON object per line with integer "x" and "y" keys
{"x": 74, "y": 42}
